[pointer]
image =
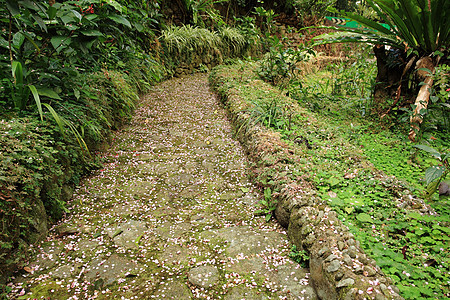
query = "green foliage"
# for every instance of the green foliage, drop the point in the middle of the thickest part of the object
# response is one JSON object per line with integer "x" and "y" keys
{"x": 31, "y": 169}
{"x": 420, "y": 26}
{"x": 270, "y": 113}
{"x": 408, "y": 246}
{"x": 437, "y": 114}
{"x": 233, "y": 42}
{"x": 436, "y": 173}
{"x": 280, "y": 63}
{"x": 194, "y": 47}
{"x": 299, "y": 256}
{"x": 247, "y": 27}
{"x": 341, "y": 88}
{"x": 179, "y": 40}
{"x": 310, "y": 10}
{"x": 76, "y": 66}
{"x": 185, "y": 39}
{"x": 268, "y": 205}
{"x": 199, "y": 9}
{"x": 366, "y": 174}
{"x": 268, "y": 17}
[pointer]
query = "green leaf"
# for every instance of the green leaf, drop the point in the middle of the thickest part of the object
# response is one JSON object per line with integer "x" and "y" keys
{"x": 117, "y": 232}
{"x": 264, "y": 203}
{"x": 47, "y": 92}
{"x": 115, "y": 4}
{"x": 268, "y": 216}
{"x": 76, "y": 93}
{"x": 40, "y": 22}
{"x": 57, "y": 118}
{"x": 51, "y": 12}
{"x": 138, "y": 240}
{"x": 334, "y": 181}
{"x": 267, "y": 194}
{"x": 79, "y": 138}
{"x": 37, "y": 100}
{"x": 336, "y": 201}
{"x": 30, "y": 39}
{"x": 430, "y": 150}
{"x": 91, "y": 32}
{"x": 120, "y": 20}
{"x": 365, "y": 218}
{"x": 66, "y": 19}
{"x": 138, "y": 27}
{"x": 17, "y": 40}
{"x": 415, "y": 215}
{"x": 17, "y": 72}
{"x": 60, "y": 42}
{"x": 348, "y": 209}
{"x": 77, "y": 14}
{"x": 433, "y": 173}
{"x": 4, "y": 43}
{"x": 13, "y": 8}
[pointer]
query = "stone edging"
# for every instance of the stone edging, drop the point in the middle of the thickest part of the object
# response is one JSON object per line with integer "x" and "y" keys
{"x": 339, "y": 267}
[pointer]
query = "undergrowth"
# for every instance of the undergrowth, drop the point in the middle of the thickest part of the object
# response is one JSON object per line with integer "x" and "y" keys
{"x": 370, "y": 176}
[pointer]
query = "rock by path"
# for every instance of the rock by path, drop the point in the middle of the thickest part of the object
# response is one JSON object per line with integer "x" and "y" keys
{"x": 169, "y": 217}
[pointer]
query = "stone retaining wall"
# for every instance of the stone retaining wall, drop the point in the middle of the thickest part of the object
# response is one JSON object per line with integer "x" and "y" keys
{"x": 339, "y": 267}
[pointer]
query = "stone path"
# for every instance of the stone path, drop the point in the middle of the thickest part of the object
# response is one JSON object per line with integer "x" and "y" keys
{"x": 169, "y": 217}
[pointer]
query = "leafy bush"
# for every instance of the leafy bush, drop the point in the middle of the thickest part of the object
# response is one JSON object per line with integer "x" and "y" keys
{"x": 86, "y": 61}
{"x": 278, "y": 66}
{"x": 247, "y": 27}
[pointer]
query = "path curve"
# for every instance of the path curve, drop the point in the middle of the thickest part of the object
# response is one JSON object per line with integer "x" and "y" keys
{"x": 171, "y": 216}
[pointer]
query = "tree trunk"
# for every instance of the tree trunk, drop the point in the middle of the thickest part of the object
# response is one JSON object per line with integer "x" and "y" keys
{"x": 424, "y": 93}
{"x": 388, "y": 77}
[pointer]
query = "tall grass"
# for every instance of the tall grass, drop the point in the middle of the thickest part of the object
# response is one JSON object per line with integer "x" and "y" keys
{"x": 232, "y": 40}
{"x": 179, "y": 39}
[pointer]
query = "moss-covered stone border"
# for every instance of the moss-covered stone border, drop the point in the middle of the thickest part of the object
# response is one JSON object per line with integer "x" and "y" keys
{"x": 339, "y": 267}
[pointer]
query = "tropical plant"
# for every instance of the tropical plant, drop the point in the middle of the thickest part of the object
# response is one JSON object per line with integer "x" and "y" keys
{"x": 436, "y": 173}
{"x": 267, "y": 18}
{"x": 420, "y": 30}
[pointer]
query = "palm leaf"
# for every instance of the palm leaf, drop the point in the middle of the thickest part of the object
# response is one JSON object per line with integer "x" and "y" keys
{"x": 412, "y": 23}
{"x": 368, "y": 23}
{"x": 345, "y": 36}
{"x": 400, "y": 28}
